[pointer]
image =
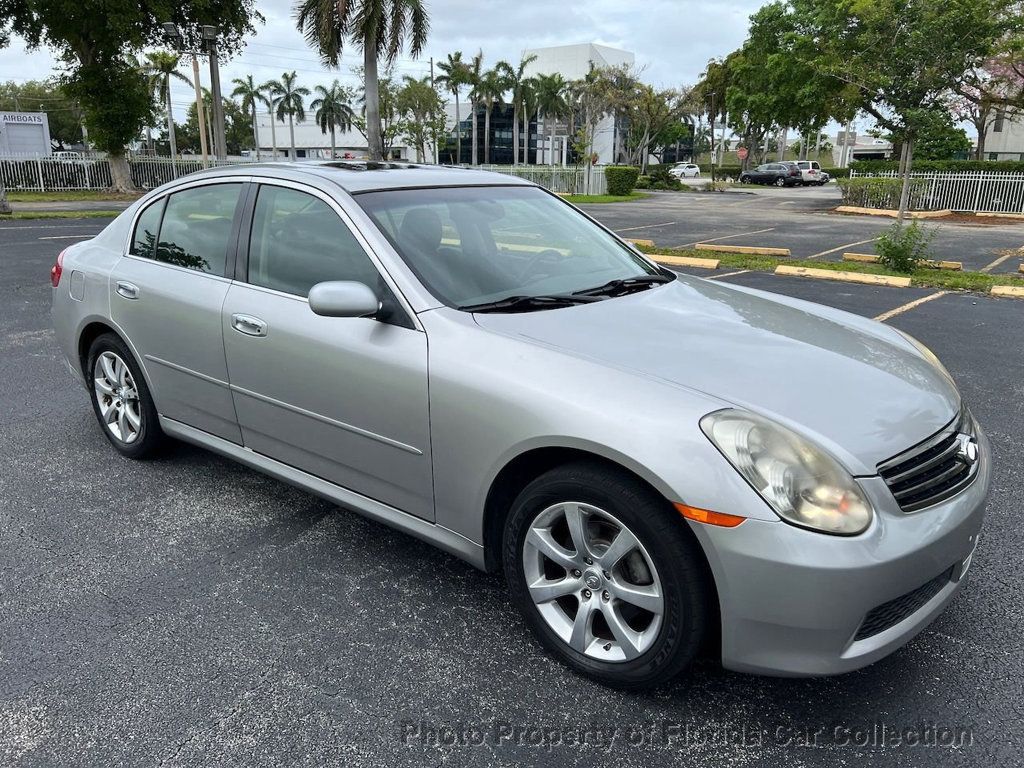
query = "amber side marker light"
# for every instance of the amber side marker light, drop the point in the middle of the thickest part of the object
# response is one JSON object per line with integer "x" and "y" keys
{"x": 707, "y": 516}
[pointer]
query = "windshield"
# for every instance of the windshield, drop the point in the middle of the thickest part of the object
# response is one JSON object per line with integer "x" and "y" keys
{"x": 474, "y": 245}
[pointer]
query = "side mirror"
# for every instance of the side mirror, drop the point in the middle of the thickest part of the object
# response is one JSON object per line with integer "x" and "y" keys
{"x": 343, "y": 298}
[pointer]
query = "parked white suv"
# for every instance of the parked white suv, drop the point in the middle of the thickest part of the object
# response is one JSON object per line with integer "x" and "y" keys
{"x": 811, "y": 173}
{"x": 685, "y": 170}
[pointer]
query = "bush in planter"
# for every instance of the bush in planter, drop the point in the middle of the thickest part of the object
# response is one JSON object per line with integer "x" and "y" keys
{"x": 877, "y": 192}
{"x": 621, "y": 179}
{"x": 660, "y": 178}
{"x": 903, "y": 248}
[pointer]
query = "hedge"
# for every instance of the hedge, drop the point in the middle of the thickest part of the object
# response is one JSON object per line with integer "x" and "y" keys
{"x": 621, "y": 179}
{"x": 876, "y": 192}
{"x": 939, "y": 166}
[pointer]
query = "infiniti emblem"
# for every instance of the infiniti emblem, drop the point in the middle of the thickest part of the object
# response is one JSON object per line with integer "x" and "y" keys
{"x": 592, "y": 580}
{"x": 967, "y": 452}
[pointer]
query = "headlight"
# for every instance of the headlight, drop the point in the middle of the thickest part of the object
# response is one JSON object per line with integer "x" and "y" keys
{"x": 926, "y": 353}
{"x": 801, "y": 482}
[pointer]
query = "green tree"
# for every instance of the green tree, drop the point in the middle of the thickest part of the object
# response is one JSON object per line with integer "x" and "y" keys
{"x": 422, "y": 113}
{"x": 387, "y": 110}
{"x": 289, "y": 99}
{"x": 161, "y": 66}
{"x": 333, "y": 109}
{"x": 519, "y": 85}
{"x": 379, "y": 28}
{"x": 490, "y": 90}
{"x": 250, "y": 95}
{"x": 95, "y": 42}
{"x": 62, "y": 113}
{"x": 269, "y": 100}
{"x": 551, "y": 100}
{"x": 454, "y": 75}
{"x": 474, "y": 71}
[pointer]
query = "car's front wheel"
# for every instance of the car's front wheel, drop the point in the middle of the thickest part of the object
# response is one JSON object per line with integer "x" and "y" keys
{"x": 121, "y": 399}
{"x": 780, "y": 182}
{"x": 607, "y": 576}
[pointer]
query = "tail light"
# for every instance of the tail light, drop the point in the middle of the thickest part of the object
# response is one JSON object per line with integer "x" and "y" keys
{"x": 57, "y": 270}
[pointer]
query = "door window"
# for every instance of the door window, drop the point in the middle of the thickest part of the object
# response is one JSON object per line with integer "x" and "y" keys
{"x": 196, "y": 227}
{"x": 146, "y": 228}
{"x": 298, "y": 240}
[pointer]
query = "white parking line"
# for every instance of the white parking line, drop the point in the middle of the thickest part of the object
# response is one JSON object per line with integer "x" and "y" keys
{"x": 842, "y": 248}
{"x": 1000, "y": 260}
{"x": 66, "y": 237}
{"x": 729, "y": 274}
{"x": 646, "y": 226}
{"x": 726, "y": 237}
{"x": 910, "y": 305}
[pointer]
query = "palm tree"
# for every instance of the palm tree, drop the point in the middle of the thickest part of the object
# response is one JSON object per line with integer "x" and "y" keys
{"x": 527, "y": 107}
{"x": 289, "y": 102}
{"x": 517, "y": 83}
{"x": 161, "y": 66}
{"x": 250, "y": 94}
{"x": 490, "y": 90}
{"x": 473, "y": 74}
{"x": 265, "y": 93}
{"x": 379, "y": 28}
{"x": 455, "y": 74}
{"x": 551, "y": 101}
{"x": 333, "y": 109}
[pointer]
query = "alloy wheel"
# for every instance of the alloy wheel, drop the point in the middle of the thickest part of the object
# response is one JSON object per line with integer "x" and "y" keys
{"x": 117, "y": 397}
{"x": 593, "y": 582}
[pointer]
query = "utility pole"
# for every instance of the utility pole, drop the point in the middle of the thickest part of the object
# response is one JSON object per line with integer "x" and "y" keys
{"x": 434, "y": 142}
{"x": 219, "y": 144}
{"x": 711, "y": 143}
{"x": 200, "y": 110}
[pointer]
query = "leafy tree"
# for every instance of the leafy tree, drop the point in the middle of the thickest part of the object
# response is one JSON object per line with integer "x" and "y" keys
{"x": 238, "y": 127}
{"x": 290, "y": 104}
{"x": 490, "y": 90}
{"x": 551, "y": 101}
{"x": 387, "y": 104}
{"x": 333, "y": 109}
{"x": 454, "y": 75}
{"x": 377, "y": 27}
{"x": 519, "y": 85}
{"x": 269, "y": 100}
{"x": 62, "y": 113}
{"x": 589, "y": 100}
{"x": 94, "y": 42}
{"x": 422, "y": 113}
{"x": 161, "y": 66}
{"x": 474, "y": 71}
{"x": 250, "y": 95}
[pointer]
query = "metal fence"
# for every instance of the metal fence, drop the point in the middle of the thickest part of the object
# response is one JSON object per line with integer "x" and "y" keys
{"x": 968, "y": 191}
{"x": 51, "y": 174}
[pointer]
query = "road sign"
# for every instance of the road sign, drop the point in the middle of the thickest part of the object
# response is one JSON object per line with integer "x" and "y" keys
{"x": 742, "y": 153}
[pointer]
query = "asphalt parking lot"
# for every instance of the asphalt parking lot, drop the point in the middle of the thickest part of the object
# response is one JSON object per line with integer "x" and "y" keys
{"x": 799, "y": 218}
{"x": 189, "y": 611}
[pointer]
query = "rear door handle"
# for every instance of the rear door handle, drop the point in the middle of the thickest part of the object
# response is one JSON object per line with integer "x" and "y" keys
{"x": 249, "y": 325}
{"x": 127, "y": 290}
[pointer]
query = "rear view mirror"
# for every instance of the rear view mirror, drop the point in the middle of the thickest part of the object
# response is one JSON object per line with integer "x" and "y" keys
{"x": 343, "y": 298}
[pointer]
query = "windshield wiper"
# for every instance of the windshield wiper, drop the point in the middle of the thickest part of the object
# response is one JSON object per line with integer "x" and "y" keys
{"x": 527, "y": 303}
{"x": 624, "y": 285}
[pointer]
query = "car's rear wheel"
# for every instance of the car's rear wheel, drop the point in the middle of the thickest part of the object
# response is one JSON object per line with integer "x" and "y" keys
{"x": 121, "y": 399}
{"x": 745, "y": 179}
{"x": 780, "y": 182}
{"x": 607, "y": 576}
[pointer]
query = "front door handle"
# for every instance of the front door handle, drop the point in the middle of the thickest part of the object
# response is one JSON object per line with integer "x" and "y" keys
{"x": 249, "y": 325}
{"x": 127, "y": 290}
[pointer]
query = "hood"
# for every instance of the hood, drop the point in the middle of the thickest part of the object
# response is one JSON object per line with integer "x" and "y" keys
{"x": 855, "y": 386}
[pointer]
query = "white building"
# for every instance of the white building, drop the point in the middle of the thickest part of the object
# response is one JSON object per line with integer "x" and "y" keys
{"x": 311, "y": 142}
{"x": 24, "y": 133}
{"x": 1005, "y": 139}
{"x": 573, "y": 62}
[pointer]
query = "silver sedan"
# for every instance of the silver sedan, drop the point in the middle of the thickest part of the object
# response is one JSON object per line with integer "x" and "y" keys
{"x": 654, "y": 461}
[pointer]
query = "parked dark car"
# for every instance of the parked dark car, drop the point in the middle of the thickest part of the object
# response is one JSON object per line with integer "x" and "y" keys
{"x": 778, "y": 174}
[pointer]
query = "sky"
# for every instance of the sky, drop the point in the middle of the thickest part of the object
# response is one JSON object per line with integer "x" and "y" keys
{"x": 672, "y": 39}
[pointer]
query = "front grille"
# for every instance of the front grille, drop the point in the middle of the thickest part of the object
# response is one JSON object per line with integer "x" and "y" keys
{"x": 934, "y": 470}
{"x": 892, "y": 613}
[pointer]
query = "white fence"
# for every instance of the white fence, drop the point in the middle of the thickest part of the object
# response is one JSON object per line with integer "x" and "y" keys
{"x": 51, "y": 174}
{"x": 970, "y": 191}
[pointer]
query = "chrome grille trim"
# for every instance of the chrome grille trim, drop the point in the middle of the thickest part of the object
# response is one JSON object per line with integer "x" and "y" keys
{"x": 933, "y": 470}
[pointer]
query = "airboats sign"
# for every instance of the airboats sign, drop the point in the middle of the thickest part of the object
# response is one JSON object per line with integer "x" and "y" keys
{"x": 24, "y": 133}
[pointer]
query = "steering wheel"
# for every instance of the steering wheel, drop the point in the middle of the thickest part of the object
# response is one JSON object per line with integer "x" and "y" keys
{"x": 547, "y": 255}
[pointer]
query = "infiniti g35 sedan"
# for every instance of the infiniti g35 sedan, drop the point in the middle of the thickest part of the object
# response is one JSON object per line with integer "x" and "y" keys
{"x": 657, "y": 463}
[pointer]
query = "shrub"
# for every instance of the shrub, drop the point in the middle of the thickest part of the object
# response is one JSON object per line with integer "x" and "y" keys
{"x": 876, "y": 192}
{"x": 621, "y": 179}
{"x": 903, "y": 248}
{"x": 642, "y": 182}
{"x": 939, "y": 166}
{"x": 660, "y": 178}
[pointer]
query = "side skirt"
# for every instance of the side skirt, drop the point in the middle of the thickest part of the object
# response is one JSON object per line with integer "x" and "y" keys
{"x": 439, "y": 536}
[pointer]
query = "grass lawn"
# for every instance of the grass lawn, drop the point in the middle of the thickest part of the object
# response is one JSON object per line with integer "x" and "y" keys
{"x": 61, "y": 215}
{"x": 579, "y": 199}
{"x": 926, "y": 278}
{"x": 66, "y": 196}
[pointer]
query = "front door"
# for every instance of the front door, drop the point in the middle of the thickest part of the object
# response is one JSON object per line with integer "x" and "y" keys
{"x": 167, "y": 299}
{"x": 344, "y": 399}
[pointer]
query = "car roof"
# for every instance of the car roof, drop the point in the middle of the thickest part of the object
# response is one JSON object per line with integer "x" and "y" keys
{"x": 362, "y": 176}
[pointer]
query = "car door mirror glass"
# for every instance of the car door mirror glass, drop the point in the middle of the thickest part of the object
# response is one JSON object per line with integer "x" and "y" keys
{"x": 344, "y": 298}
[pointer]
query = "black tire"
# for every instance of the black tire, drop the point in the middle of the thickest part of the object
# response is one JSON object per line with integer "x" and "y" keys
{"x": 780, "y": 182}
{"x": 745, "y": 180}
{"x": 671, "y": 546}
{"x": 149, "y": 437}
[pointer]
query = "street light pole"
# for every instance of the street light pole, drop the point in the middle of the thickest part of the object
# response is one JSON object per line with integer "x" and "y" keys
{"x": 219, "y": 143}
{"x": 171, "y": 30}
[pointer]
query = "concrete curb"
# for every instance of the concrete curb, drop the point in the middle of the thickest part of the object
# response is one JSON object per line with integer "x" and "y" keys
{"x": 889, "y": 213}
{"x": 843, "y": 277}
{"x": 636, "y": 241}
{"x": 684, "y": 261}
{"x": 748, "y": 249}
{"x": 1008, "y": 291}
{"x": 867, "y": 258}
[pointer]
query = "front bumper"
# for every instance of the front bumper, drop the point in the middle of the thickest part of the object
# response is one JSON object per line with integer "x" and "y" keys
{"x": 792, "y": 600}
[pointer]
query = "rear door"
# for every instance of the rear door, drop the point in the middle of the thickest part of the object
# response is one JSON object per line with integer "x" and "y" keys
{"x": 166, "y": 295}
{"x": 344, "y": 399}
